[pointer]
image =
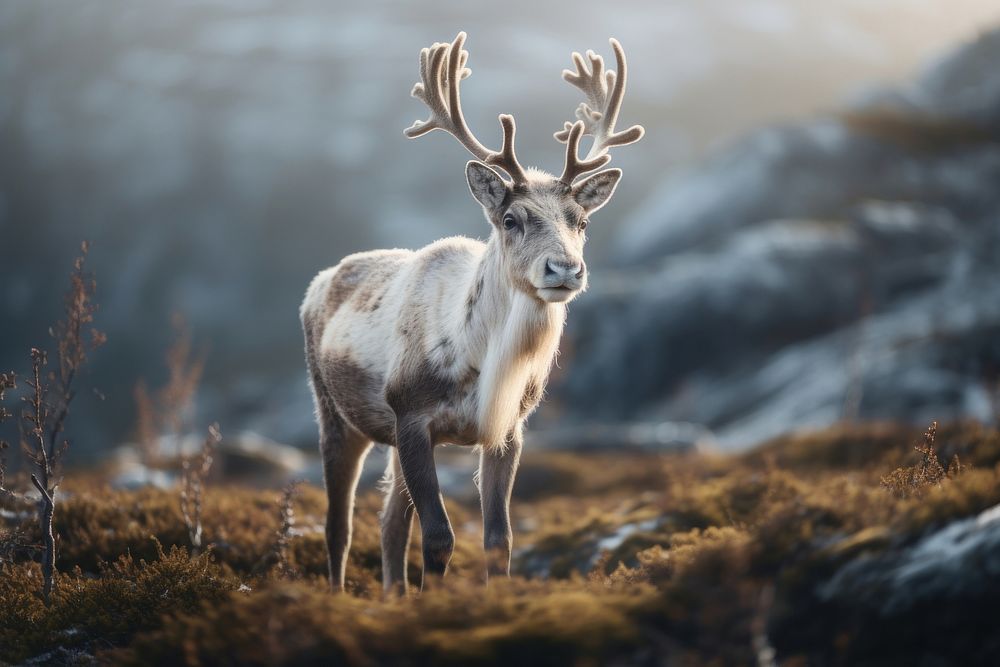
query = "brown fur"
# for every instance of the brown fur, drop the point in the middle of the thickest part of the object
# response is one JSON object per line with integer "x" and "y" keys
{"x": 358, "y": 395}
{"x": 473, "y": 299}
{"x": 369, "y": 293}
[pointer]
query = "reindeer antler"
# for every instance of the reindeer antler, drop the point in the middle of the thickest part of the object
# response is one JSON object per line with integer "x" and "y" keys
{"x": 598, "y": 115}
{"x": 442, "y": 68}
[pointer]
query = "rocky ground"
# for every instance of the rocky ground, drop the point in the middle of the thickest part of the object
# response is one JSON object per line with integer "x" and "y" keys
{"x": 842, "y": 546}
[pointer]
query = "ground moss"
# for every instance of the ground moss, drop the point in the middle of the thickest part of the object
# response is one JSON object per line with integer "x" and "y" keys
{"x": 98, "y": 612}
{"x": 691, "y": 559}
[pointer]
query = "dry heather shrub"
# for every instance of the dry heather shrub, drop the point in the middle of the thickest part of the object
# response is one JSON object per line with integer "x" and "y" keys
{"x": 974, "y": 491}
{"x": 279, "y": 556}
{"x": 7, "y": 381}
{"x": 284, "y": 534}
{"x": 167, "y": 410}
{"x": 194, "y": 472}
{"x": 917, "y": 479}
{"x": 74, "y": 338}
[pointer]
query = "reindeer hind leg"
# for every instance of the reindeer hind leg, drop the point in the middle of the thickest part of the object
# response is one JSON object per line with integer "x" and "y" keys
{"x": 343, "y": 451}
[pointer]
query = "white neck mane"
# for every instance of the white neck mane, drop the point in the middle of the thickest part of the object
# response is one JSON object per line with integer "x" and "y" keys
{"x": 514, "y": 338}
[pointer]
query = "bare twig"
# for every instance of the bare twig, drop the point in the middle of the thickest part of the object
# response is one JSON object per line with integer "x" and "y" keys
{"x": 49, "y": 553}
{"x": 13, "y": 542}
{"x": 7, "y": 381}
{"x": 195, "y": 471}
{"x": 36, "y": 417}
{"x": 913, "y": 481}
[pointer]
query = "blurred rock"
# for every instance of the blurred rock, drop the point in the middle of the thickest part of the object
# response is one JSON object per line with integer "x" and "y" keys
{"x": 246, "y": 457}
{"x": 935, "y": 597}
{"x": 958, "y": 562}
{"x": 847, "y": 267}
{"x": 251, "y": 456}
{"x": 674, "y": 437}
{"x": 135, "y": 475}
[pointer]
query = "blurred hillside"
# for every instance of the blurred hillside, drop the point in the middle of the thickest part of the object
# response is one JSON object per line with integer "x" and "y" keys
{"x": 847, "y": 266}
{"x": 218, "y": 154}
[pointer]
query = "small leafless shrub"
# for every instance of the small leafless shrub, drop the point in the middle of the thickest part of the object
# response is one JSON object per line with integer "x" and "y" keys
{"x": 47, "y": 404}
{"x": 914, "y": 480}
{"x": 7, "y": 381}
{"x": 9, "y": 540}
{"x": 13, "y": 543}
{"x": 277, "y": 559}
{"x": 194, "y": 472}
{"x": 284, "y": 533}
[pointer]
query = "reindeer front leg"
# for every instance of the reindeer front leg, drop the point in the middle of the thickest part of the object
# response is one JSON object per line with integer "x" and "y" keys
{"x": 416, "y": 459}
{"x": 497, "y": 468}
{"x": 396, "y": 519}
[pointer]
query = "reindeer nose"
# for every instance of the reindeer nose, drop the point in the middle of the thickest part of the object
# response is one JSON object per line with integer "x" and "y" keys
{"x": 564, "y": 271}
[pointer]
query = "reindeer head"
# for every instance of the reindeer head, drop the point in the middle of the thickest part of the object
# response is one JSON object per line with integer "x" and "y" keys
{"x": 538, "y": 218}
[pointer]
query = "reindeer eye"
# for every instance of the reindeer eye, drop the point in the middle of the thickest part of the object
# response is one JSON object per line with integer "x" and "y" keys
{"x": 583, "y": 224}
{"x": 509, "y": 222}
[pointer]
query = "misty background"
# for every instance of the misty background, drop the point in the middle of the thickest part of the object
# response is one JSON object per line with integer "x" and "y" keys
{"x": 809, "y": 231}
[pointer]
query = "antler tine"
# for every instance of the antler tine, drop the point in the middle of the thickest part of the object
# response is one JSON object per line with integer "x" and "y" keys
{"x": 506, "y": 159}
{"x": 429, "y": 91}
{"x": 604, "y": 91}
{"x": 574, "y": 166}
{"x": 616, "y": 81}
{"x": 442, "y": 68}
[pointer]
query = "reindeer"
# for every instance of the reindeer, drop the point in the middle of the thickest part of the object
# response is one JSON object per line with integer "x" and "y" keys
{"x": 453, "y": 343}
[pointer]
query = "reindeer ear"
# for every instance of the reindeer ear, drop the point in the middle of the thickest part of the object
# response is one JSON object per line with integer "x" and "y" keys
{"x": 487, "y": 186}
{"x": 594, "y": 191}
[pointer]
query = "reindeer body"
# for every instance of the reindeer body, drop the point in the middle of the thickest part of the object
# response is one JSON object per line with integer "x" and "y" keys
{"x": 453, "y": 343}
{"x": 432, "y": 335}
